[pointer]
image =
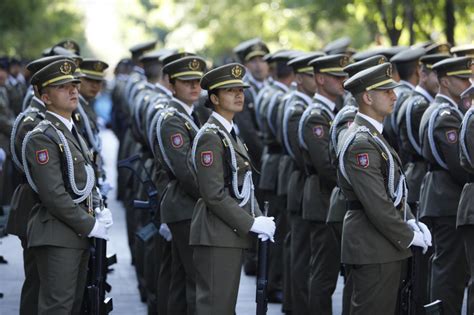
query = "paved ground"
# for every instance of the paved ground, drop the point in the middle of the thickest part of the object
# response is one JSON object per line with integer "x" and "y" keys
{"x": 123, "y": 280}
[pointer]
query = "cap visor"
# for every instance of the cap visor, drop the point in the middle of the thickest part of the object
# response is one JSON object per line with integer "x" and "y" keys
{"x": 234, "y": 85}
{"x": 189, "y": 77}
{"x": 390, "y": 85}
{"x": 75, "y": 80}
{"x": 338, "y": 73}
{"x": 463, "y": 76}
{"x": 92, "y": 77}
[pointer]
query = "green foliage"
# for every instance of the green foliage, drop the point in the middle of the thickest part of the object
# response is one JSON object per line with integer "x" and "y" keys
{"x": 29, "y": 26}
{"x": 216, "y": 27}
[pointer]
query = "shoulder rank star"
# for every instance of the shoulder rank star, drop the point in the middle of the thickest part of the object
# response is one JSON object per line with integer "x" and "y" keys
{"x": 363, "y": 160}
{"x": 452, "y": 136}
{"x": 42, "y": 156}
{"x": 177, "y": 141}
{"x": 207, "y": 158}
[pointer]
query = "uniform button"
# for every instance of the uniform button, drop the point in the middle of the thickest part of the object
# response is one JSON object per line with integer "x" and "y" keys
{"x": 246, "y": 163}
{"x": 235, "y": 230}
{"x": 75, "y": 158}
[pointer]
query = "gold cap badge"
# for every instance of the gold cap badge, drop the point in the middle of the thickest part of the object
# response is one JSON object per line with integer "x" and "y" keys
{"x": 237, "y": 72}
{"x": 194, "y": 65}
{"x": 65, "y": 68}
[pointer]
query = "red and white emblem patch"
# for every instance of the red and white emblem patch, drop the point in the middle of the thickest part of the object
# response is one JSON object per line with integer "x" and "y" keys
{"x": 42, "y": 156}
{"x": 318, "y": 131}
{"x": 363, "y": 160}
{"x": 177, "y": 140}
{"x": 207, "y": 158}
{"x": 452, "y": 136}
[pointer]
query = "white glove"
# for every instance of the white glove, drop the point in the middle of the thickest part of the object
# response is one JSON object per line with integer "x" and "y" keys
{"x": 165, "y": 232}
{"x": 104, "y": 216}
{"x": 264, "y": 238}
{"x": 419, "y": 241}
{"x": 421, "y": 227}
{"x": 99, "y": 231}
{"x": 426, "y": 233}
{"x": 264, "y": 225}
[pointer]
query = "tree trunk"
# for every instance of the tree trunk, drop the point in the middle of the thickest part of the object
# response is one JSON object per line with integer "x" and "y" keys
{"x": 450, "y": 21}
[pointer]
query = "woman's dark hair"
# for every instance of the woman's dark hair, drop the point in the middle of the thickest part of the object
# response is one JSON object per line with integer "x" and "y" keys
{"x": 208, "y": 102}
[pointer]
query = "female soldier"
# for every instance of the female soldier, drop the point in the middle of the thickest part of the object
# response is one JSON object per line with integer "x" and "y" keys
{"x": 227, "y": 210}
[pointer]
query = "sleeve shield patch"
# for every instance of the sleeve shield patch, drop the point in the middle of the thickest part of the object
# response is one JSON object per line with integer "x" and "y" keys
{"x": 452, "y": 136}
{"x": 207, "y": 158}
{"x": 363, "y": 160}
{"x": 318, "y": 131}
{"x": 42, "y": 156}
{"x": 177, "y": 141}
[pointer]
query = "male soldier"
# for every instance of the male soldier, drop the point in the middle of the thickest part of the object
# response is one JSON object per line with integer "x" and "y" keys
{"x": 442, "y": 185}
{"x": 375, "y": 239}
{"x": 313, "y": 135}
{"x": 160, "y": 96}
{"x": 268, "y": 107}
{"x": 85, "y": 118}
{"x": 408, "y": 124}
{"x": 250, "y": 53}
{"x": 407, "y": 65}
{"x": 296, "y": 273}
{"x": 61, "y": 224}
{"x": 465, "y": 222}
{"x": 176, "y": 130}
{"x": 126, "y": 183}
{"x": 337, "y": 205}
{"x": 24, "y": 198}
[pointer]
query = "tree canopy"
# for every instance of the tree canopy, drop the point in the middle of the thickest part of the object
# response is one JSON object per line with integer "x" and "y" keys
{"x": 214, "y": 28}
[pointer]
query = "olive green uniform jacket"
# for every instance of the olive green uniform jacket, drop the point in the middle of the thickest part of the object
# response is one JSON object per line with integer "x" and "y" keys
{"x": 218, "y": 220}
{"x": 57, "y": 220}
{"x": 376, "y": 233}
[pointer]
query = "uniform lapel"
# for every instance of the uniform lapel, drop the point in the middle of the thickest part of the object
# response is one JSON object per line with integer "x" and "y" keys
{"x": 362, "y": 122}
{"x": 238, "y": 145}
{"x": 58, "y": 124}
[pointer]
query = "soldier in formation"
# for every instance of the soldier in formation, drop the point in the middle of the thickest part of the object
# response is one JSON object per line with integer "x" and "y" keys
{"x": 361, "y": 156}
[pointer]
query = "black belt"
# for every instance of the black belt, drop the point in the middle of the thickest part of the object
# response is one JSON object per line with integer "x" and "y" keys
{"x": 357, "y": 205}
{"x": 354, "y": 205}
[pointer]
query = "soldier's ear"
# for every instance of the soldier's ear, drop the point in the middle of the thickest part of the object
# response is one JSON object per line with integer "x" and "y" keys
{"x": 45, "y": 98}
{"x": 214, "y": 99}
{"x": 367, "y": 97}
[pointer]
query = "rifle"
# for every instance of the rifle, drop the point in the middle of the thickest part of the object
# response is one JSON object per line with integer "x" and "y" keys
{"x": 144, "y": 235}
{"x": 414, "y": 289}
{"x": 262, "y": 272}
{"x": 140, "y": 171}
{"x": 97, "y": 303}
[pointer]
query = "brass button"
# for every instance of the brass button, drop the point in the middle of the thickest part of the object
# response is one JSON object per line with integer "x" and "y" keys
{"x": 246, "y": 163}
{"x": 75, "y": 158}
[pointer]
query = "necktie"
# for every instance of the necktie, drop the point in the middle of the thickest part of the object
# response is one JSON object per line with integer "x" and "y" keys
{"x": 232, "y": 133}
{"x": 75, "y": 134}
{"x": 195, "y": 118}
